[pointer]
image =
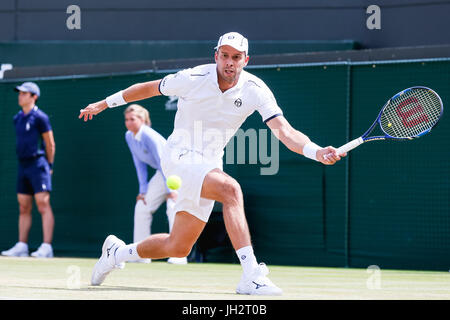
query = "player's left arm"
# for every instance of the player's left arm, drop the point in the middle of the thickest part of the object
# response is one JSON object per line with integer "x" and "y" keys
{"x": 135, "y": 92}
{"x": 300, "y": 143}
{"x": 49, "y": 141}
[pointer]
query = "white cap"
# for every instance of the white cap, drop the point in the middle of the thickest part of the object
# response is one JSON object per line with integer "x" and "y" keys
{"x": 235, "y": 40}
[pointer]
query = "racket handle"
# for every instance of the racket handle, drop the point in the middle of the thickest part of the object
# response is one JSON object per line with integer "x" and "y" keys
{"x": 350, "y": 146}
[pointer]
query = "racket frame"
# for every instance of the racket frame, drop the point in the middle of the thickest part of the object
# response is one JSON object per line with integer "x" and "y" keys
{"x": 364, "y": 138}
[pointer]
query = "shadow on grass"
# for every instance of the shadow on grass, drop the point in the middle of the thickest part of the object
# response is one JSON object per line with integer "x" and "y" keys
{"x": 120, "y": 288}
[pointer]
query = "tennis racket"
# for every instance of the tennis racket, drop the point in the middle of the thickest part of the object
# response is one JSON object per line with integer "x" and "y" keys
{"x": 409, "y": 114}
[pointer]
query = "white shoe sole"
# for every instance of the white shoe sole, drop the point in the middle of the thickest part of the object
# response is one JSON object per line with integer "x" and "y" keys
{"x": 261, "y": 293}
{"x": 141, "y": 261}
{"x": 176, "y": 261}
{"x": 20, "y": 255}
{"x": 39, "y": 256}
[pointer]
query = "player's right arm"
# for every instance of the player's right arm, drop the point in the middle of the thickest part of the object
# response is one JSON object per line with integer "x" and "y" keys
{"x": 136, "y": 92}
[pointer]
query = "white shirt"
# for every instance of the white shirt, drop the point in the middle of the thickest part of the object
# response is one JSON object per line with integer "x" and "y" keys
{"x": 207, "y": 118}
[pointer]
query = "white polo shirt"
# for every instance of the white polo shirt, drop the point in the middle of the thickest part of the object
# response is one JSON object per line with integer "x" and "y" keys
{"x": 207, "y": 118}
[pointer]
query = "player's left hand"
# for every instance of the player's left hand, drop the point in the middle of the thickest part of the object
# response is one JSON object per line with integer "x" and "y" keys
{"x": 92, "y": 109}
{"x": 329, "y": 155}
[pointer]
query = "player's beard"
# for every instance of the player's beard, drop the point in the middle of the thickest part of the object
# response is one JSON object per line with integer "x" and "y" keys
{"x": 229, "y": 78}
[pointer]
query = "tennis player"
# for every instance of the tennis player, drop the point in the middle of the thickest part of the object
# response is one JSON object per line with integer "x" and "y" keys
{"x": 35, "y": 148}
{"x": 146, "y": 146}
{"x": 214, "y": 101}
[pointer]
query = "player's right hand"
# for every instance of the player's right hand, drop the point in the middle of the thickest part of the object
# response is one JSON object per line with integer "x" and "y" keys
{"x": 93, "y": 109}
{"x": 329, "y": 155}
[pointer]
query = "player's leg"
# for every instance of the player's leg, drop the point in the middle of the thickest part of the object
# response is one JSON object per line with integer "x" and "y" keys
{"x": 185, "y": 232}
{"x": 156, "y": 195}
{"x": 25, "y": 200}
{"x": 221, "y": 187}
{"x": 48, "y": 223}
{"x": 25, "y": 218}
{"x": 40, "y": 178}
{"x": 171, "y": 212}
{"x": 178, "y": 243}
{"x": 20, "y": 249}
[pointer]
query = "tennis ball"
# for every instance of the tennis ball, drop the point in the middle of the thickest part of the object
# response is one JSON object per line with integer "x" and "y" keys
{"x": 173, "y": 182}
{"x": 389, "y": 124}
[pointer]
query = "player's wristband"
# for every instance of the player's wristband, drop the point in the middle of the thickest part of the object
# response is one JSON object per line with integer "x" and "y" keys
{"x": 116, "y": 100}
{"x": 310, "y": 150}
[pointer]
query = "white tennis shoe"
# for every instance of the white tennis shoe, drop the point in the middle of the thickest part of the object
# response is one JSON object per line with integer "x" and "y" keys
{"x": 45, "y": 250}
{"x": 258, "y": 283}
{"x": 18, "y": 250}
{"x": 107, "y": 261}
{"x": 143, "y": 260}
{"x": 175, "y": 260}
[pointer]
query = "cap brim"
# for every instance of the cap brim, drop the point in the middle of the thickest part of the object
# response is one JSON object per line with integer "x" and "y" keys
{"x": 226, "y": 44}
{"x": 20, "y": 88}
{"x": 24, "y": 89}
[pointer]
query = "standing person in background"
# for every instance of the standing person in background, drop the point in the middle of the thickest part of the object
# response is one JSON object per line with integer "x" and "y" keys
{"x": 146, "y": 146}
{"x": 35, "y": 148}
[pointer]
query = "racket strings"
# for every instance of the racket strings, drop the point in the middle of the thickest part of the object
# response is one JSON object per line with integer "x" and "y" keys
{"x": 411, "y": 113}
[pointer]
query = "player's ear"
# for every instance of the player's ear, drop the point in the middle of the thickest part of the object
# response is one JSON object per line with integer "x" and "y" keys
{"x": 215, "y": 55}
{"x": 247, "y": 58}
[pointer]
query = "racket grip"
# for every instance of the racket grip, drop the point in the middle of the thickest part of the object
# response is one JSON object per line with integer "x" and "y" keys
{"x": 350, "y": 146}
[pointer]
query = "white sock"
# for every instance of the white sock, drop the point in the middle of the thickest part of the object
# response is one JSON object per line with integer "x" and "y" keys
{"x": 247, "y": 259}
{"x": 127, "y": 253}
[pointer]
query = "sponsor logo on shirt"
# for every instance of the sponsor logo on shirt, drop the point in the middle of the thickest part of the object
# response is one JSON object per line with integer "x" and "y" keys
{"x": 238, "y": 102}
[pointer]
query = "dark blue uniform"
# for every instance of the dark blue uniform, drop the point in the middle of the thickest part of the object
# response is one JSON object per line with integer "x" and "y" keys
{"x": 34, "y": 171}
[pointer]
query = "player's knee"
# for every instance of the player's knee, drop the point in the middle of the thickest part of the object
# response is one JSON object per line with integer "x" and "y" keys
{"x": 25, "y": 209}
{"x": 181, "y": 251}
{"x": 232, "y": 192}
{"x": 42, "y": 205}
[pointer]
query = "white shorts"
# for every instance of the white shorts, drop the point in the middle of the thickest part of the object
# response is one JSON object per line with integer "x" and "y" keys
{"x": 192, "y": 168}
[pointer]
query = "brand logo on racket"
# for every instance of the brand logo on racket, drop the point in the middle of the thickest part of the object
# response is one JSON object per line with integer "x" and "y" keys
{"x": 411, "y": 116}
